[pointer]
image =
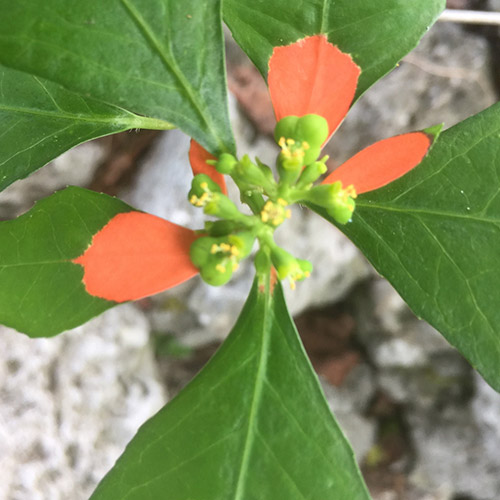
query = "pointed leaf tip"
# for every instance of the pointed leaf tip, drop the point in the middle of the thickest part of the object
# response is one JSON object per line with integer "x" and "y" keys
{"x": 136, "y": 255}
{"x": 312, "y": 76}
{"x": 383, "y": 162}
{"x": 198, "y": 157}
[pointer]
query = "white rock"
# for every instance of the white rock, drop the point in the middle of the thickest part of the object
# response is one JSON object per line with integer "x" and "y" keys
{"x": 70, "y": 404}
{"x": 75, "y": 168}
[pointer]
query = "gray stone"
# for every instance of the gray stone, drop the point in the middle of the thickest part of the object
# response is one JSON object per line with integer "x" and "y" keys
{"x": 70, "y": 404}
{"x": 349, "y": 403}
{"x": 455, "y": 449}
{"x": 163, "y": 182}
{"x": 76, "y": 168}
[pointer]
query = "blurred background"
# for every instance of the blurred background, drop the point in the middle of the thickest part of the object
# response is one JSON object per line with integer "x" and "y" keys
{"x": 423, "y": 424}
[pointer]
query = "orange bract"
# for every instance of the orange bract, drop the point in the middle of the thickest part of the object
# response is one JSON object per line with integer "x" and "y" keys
{"x": 136, "y": 255}
{"x": 198, "y": 157}
{"x": 382, "y": 162}
{"x": 312, "y": 76}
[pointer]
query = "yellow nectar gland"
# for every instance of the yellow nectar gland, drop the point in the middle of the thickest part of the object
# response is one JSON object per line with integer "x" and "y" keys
{"x": 229, "y": 256}
{"x": 298, "y": 276}
{"x": 292, "y": 149}
{"x": 202, "y": 200}
{"x": 349, "y": 191}
{"x": 345, "y": 193}
{"x": 275, "y": 213}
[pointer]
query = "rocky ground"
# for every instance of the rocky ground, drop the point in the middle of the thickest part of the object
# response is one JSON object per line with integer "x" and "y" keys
{"x": 423, "y": 425}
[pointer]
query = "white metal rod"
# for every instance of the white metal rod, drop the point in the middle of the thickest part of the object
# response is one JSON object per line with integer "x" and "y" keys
{"x": 470, "y": 17}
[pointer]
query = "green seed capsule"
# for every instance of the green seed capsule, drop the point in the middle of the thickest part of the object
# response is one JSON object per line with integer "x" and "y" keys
{"x": 285, "y": 128}
{"x": 313, "y": 129}
{"x": 216, "y": 274}
{"x": 226, "y": 163}
{"x": 200, "y": 250}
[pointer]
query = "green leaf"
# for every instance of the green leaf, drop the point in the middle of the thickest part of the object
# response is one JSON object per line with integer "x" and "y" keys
{"x": 435, "y": 235}
{"x": 160, "y": 58}
{"x": 41, "y": 290}
{"x": 252, "y": 425}
{"x": 376, "y": 34}
{"x": 40, "y": 120}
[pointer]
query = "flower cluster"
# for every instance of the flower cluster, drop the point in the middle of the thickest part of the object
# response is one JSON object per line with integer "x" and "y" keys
{"x": 312, "y": 84}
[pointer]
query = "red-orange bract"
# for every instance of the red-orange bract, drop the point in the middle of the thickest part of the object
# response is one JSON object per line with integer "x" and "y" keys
{"x": 136, "y": 255}
{"x": 198, "y": 157}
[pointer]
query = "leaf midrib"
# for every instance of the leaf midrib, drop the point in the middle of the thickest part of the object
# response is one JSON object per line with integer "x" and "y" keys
{"x": 256, "y": 398}
{"x": 128, "y": 120}
{"x": 68, "y": 116}
{"x": 170, "y": 63}
{"x": 421, "y": 211}
{"x": 37, "y": 263}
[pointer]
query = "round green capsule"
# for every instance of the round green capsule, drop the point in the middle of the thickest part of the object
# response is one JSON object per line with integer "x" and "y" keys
{"x": 285, "y": 128}
{"x": 312, "y": 129}
{"x": 215, "y": 273}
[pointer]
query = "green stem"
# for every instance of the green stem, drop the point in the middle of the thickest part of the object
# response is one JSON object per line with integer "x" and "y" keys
{"x": 146, "y": 123}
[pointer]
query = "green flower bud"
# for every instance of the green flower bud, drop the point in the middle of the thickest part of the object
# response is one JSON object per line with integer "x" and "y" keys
{"x": 201, "y": 184}
{"x": 268, "y": 173}
{"x": 305, "y": 267}
{"x": 311, "y": 154}
{"x": 284, "y": 262}
{"x": 338, "y": 201}
{"x": 247, "y": 172}
{"x": 199, "y": 252}
{"x": 285, "y": 128}
{"x": 324, "y": 194}
{"x": 243, "y": 242}
{"x": 220, "y": 227}
{"x": 289, "y": 167}
{"x": 342, "y": 212}
{"x": 226, "y": 163}
{"x": 312, "y": 129}
{"x": 287, "y": 266}
{"x": 221, "y": 206}
{"x": 218, "y": 258}
{"x": 311, "y": 173}
{"x": 291, "y": 160}
{"x": 216, "y": 274}
{"x": 275, "y": 213}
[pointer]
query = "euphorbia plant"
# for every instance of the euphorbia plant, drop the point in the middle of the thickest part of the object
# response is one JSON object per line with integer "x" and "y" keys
{"x": 253, "y": 423}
